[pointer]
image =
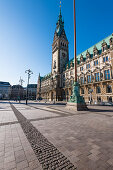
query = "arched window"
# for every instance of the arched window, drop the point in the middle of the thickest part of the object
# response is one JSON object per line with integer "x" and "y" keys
{"x": 108, "y": 89}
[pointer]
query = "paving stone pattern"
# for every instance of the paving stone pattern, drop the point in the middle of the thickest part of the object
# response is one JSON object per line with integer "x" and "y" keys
{"x": 48, "y": 155}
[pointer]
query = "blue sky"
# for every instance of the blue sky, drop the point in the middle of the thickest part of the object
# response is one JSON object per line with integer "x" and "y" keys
{"x": 27, "y": 29}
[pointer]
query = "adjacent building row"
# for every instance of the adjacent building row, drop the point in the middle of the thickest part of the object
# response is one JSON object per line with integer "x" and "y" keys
{"x": 17, "y": 92}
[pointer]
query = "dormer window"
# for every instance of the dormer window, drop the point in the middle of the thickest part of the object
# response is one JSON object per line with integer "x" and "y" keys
{"x": 111, "y": 42}
{"x": 87, "y": 54}
{"x": 104, "y": 46}
{"x": 71, "y": 64}
{"x": 81, "y": 58}
{"x": 95, "y": 51}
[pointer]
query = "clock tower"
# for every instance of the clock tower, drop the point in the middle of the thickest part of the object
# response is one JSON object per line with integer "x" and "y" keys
{"x": 60, "y": 54}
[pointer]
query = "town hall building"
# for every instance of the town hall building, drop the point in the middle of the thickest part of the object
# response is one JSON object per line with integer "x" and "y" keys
{"x": 94, "y": 70}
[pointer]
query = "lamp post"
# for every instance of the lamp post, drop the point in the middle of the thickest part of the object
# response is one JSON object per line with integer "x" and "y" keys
{"x": 29, "y": 72}
{"x": 21, "y": 83}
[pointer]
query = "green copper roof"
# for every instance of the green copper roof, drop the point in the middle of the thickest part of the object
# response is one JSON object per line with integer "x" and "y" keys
{"x": 90, "y": 50}
{"x": 46, "y": 77}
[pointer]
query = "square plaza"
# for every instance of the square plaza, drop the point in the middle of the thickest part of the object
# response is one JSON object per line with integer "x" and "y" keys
{"x": 84, "y": 138}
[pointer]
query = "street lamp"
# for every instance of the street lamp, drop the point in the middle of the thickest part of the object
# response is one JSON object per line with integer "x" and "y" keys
{"x": 29, "y": 72}
{"x": 21, "y": 83}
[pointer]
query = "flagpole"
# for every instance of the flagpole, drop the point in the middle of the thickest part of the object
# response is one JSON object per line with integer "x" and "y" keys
{"x": 75, "y": 57}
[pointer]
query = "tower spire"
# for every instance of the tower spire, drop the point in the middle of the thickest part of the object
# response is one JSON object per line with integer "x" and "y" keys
{"x": 60, "y": 23}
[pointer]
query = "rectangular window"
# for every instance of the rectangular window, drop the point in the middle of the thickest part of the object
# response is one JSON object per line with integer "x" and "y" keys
{"x": 81, "y": 68}
{"x": 88, "y": 66}
{"x": 105, "y": 59}
{"x": 97, "y": 77}
{"x": 95, "y": 62}
{"x": 107, "y": 74}
{"x": 89, "y": 78}
{"x": 81, "y": 80}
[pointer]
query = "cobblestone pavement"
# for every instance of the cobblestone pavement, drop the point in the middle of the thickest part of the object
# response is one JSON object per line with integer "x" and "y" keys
{"x": 83, "y": 138}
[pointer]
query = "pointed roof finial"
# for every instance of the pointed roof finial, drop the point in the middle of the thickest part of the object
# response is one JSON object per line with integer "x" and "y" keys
{"x": 60, "y": 6}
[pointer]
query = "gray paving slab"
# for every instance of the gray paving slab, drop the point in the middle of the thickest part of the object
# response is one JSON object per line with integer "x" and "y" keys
{"x": 85, "y": 138}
